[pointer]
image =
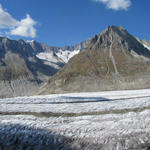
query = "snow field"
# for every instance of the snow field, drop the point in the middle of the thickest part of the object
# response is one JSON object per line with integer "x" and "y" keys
{"x": 78, "y": 102}
{"x": 124, "y": 130}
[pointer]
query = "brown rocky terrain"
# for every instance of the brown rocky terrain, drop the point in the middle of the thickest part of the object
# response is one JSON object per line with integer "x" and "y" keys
{"x": 113, "y": 60}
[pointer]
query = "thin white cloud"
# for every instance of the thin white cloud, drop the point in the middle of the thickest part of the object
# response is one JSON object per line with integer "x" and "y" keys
{"x": 25, "y": 27}
{"x": 116, "y": 4}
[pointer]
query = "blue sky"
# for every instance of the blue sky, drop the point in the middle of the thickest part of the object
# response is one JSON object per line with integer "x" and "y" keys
{"x": 67, "y": 22}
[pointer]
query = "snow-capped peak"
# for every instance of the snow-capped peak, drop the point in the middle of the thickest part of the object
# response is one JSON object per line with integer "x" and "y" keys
{"x": 30, "y": 41}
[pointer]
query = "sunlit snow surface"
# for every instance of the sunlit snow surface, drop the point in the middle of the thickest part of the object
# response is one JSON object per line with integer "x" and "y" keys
{"x": 62, "y": 56}
{"x": 146, "y": 46}
{"x": 48, "y": 57}
{"x": 100, "y": 127}
{"x": 66, "y": 55}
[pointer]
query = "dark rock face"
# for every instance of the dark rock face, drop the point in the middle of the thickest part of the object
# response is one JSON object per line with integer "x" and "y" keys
{"x": 24, "y": 52}
{"x": 82, "y": 45}
{"x": 41, "y": 47}
{"x": 113, "y": 60}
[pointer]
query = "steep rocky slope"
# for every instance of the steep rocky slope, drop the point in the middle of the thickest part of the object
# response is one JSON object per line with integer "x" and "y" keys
{"x": 21, "y": 72}
{"x": 114, "y": 59}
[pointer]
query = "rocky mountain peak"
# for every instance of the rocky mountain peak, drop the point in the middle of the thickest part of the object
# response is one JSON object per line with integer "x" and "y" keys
{"x": 119, "y": 38}
{"x": 112, "y": 58}
{"x": 110, "y": 33}
{"x": 21, "y": 41}
{"x": 115, "y": 28}
{"x": 4, "y": 40}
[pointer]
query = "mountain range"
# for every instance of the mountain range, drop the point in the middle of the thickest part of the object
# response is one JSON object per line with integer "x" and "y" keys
{"x": 25, "y": 66}
{"x": 114, "y": 59}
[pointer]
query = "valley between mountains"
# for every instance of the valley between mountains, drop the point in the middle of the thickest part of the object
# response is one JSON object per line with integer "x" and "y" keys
{"x": 112, "y": 60}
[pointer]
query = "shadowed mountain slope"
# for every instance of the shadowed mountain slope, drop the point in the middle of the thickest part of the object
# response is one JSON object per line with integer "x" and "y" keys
{"x": 21, "y": 72}
{"x": 114, "y": 59}
{"x": 25, "y": 65}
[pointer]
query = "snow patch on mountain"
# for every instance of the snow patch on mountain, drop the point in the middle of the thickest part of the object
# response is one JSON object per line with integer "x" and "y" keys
{"x": 62, "y": 56}
{"x": 65, "y": 55}
{"x": 146, "y": 46}
{"x": 48, "y": 57}
{"x": 145, "y": 43}
{"x": 53, "y": 54}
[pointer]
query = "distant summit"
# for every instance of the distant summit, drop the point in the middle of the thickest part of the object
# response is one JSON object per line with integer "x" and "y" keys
{"x": 114, "y": 59}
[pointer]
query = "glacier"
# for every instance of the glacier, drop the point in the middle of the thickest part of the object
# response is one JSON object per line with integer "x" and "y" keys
{"x": 109, "y": 120}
